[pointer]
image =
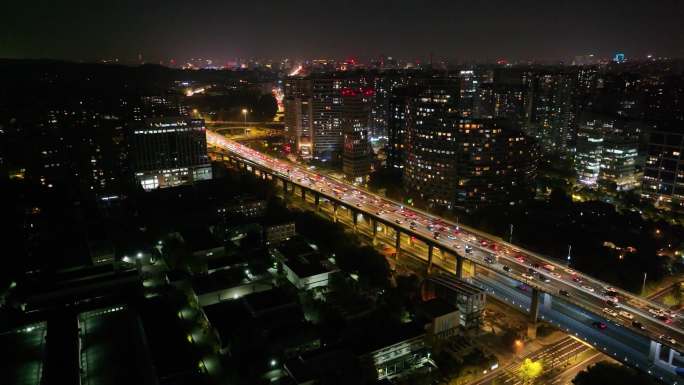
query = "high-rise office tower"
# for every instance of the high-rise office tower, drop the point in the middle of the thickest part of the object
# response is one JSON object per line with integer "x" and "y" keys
{"x": 468, "y": 163}
{"x": 171, "y": 151}
{"x": 552, "y": 113}
{"x": 298, "y": 105}
{"x": 315, "y": 110}
{"x": 606, "y": 152}
{"x": 431, "y": 144}
{"x": 326, "y": 108}
{"x": 495, "y": 163}
{"x": 468, "y": 92}
{"x": 398, "y": 108}
{"x": 357, "y": 152}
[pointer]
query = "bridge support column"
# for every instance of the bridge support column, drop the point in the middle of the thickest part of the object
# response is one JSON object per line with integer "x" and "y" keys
{"x": 397, "y": 242}
{"x": 431, "y": 249}
{"x": 334, "y": 212}
{"x": 546, "y": 301}
{"x": 355, "y": 218}
{"x": 374, "y": 223}
{"x": 654, "y": 351}
{"x": 533, "y": 315}
{"x": 459, "y": 266}
{"x": 317, "y": 200}
{"x": 303, "y": 193}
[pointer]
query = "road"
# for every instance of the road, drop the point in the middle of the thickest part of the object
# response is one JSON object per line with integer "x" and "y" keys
{"x": 639, "y": 314}
{"x": 554, "y": 355}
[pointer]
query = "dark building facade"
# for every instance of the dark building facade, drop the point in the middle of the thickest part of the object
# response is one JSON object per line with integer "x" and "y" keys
{"x": 167, "y": 152}
{"x": 663, "y": 180}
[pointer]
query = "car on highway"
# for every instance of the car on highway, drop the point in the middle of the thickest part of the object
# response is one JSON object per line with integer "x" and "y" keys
{"x": 610, "y": 312}
{"x": 626, "y": 314}
{"x": 488, "y": 259}
{"x": 506, "y": 268}
{"x": 544, "y": 278}
{"x": 666, "y": 338}
{"x": 398, "y": 221}
{"x": 520, "y": 259}
{"x": 599, "y": 325}
{"x": 664, "y": 318}
{"x": 589, "y": 288}
{"x": 564, "y": 293}
{"x": 638, "y": 325}
{"x": 612, "y": 304}
{"x": 576, "y": 278}
{"x": 549, "y": 267}
{"x": 468, "y": 249}
{"x": 527, "y": 276}
{"x": 612, "y": 299}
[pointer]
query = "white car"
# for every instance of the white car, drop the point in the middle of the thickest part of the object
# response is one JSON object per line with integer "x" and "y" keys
{"x": 591, "y": 289}
{"x": 610, "y": 312}
{"x": 625, "y": 314}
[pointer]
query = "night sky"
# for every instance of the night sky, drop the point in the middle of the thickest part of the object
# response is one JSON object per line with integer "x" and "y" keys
{"x": 454, "y": 29}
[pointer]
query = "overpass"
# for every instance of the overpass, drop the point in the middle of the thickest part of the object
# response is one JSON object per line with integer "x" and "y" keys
{"x": 450, "y": 247}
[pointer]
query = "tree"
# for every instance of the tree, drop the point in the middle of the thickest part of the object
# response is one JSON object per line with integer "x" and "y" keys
{"x": 267, "y": 106}
{"x": 558, "y": 198}
{"x": 610, "y": 373}
{"x": 530, "y": 370}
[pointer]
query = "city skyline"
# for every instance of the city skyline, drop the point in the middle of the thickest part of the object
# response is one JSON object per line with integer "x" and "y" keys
{"x": 518, "y": 31}
{"x": 379, "y": 192}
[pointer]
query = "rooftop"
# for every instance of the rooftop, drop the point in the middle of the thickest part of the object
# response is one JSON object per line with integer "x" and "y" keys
{"x": 218, "y": 280}
{"x": 22, "y": 362}
{"x": 295, "y": 247}
{"x": 113, "y": 350}
{"x": 309, "y": 265}
{"x": 436, "y": 308}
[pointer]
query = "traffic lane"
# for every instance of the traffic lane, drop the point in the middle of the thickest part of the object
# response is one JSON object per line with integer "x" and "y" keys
{"x": 596, "y": 300}
{"x": 563, "y": 279}
{"x": 567, "y": 322}
{"x": 607, "y": 345}
{"x": 598, "y": 309}
{"x": 415, "y": 213}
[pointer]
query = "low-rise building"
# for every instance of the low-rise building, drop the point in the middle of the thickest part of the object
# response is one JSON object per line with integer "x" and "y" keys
{"x": 442, "y": 319}
{"x": 227, "y": 284}
{"x": 402, "y": 349}
{"x": 243, "y": 207}
{"x": 275, "y": 233}
{"x": 469, "y": 298}
{"x": 303, "y": 266}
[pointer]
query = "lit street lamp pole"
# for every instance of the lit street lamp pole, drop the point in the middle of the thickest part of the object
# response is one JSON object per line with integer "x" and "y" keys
{"x": 244, "y": 114}
{"x": 643, "y": 286}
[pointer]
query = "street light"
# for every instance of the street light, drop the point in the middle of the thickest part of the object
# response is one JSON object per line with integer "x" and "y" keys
{"x": 643, "y": 286}
{"x": 244, "y": 114}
